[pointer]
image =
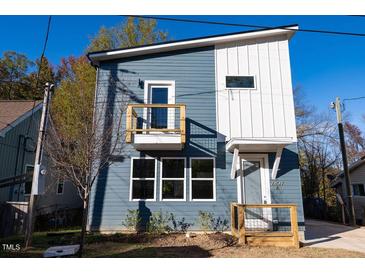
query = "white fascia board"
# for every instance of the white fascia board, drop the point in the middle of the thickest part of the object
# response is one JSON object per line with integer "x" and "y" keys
{"x": 274, "y": 142}
{"x": 123, "y": 53}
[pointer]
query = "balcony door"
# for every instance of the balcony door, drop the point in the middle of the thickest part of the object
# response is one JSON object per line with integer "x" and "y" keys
{"x": 160, "y": 92}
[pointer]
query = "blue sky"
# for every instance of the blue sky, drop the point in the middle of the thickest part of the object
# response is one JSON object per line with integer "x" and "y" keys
{"x": 324, "y": 66}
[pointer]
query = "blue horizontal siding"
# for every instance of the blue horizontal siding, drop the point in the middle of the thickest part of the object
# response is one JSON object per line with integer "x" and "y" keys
{"x": 194, "y": 75}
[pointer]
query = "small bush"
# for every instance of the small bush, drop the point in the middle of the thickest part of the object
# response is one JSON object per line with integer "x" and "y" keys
{"x": 132, "y": 219}
{"x": 220, "y": 224}
{"x": 159, "y": 223}
{"x": 207, "y": 222}
{"x": 179, "y": 225}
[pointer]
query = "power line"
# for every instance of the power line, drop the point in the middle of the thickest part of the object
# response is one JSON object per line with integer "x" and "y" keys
{"x": 39, "y": 70}
{"x": 246, "y": 25}
{"x": 354, "y": 98}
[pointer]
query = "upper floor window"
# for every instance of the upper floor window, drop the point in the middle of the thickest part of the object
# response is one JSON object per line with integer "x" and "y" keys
{"x": 240, "y": 82}
{"x": 358, "y": 189}
{"x": 143, "y": 179}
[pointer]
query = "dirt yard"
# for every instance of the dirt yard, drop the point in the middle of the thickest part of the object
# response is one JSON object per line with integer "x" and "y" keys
{"x": 217, "y": 245}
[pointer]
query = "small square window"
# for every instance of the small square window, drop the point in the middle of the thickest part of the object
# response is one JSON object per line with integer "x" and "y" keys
{"x": 243, "y": 82}
{"x": 172, "y": 179}
{"x": 358, "y": 189}
{"x": 202, "y": 179}
{"x": 143, "y": 179}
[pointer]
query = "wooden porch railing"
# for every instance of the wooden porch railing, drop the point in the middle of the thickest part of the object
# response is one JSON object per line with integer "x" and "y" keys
{"x": 132, "y": 120}
{"x": 264, "y": 236}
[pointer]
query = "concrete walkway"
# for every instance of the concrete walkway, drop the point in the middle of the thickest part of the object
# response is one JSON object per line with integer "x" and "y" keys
{"x": 331, "y": 235}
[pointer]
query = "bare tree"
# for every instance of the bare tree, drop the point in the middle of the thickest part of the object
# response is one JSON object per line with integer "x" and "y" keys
{"x": 318, "y": 149}
{"x": 83, "y": 140}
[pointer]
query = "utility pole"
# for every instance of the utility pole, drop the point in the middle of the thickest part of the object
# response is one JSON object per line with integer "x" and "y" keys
{"x": 37, "y": 166}
{"x": 350, "y": 203}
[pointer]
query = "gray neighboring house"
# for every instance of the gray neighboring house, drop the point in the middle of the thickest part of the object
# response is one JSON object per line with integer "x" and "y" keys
{"x": 19, "y": 127}
{"x": 357, "y": 178}
{"x": 210, "y": 121}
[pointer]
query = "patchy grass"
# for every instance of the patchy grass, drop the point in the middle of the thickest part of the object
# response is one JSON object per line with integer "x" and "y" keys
{"x": 167, "y": 246}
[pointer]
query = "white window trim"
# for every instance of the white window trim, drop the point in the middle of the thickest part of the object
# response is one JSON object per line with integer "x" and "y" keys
{"x": 202, "y": 179}
{"x": 248, "y": 75}
{"x": 180, "y": 179}
{"x": 131, "y": 180}
{"x": 170, "y": 84}
{"x": 25, "y": 171}
{"x": 63, "y": 188}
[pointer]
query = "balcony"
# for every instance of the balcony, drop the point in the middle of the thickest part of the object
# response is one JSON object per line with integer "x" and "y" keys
{"x": 156, "y": 126}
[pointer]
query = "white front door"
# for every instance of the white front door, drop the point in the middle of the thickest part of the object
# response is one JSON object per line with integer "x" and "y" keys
{"x": 255, "y": 189}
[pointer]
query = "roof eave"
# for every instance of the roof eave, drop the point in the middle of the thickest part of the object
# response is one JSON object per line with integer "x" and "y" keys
{"x": 96, "y": 57}
{"x": 20, "y": 119}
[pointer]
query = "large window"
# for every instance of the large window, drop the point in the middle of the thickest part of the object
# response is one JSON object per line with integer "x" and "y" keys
{"x": 240, "y": 82}
{"x": 358, "y": 189}
{"x": 172, "y": 179}
{"x": 202, "y": 179}
{"x": 143, "y": 179}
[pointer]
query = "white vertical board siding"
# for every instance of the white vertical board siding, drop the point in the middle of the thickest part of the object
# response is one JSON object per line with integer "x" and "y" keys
{"x": 245, "y": 113}
{"x": 223, "y": 107}
{"x": 233, "y": 95}
{"x": 287, "y": 88}
{"x": 266, "y": 111}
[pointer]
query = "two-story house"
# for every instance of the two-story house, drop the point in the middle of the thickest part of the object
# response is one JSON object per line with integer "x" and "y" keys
{"x": 209, "y": 121}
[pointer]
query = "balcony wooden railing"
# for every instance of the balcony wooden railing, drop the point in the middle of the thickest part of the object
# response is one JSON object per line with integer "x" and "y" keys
{"x": 156, "y": 118}
{"x": 264, "y": 225}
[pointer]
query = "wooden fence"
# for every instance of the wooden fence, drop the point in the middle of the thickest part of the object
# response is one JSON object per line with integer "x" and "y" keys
{"x": 261, "y": 230}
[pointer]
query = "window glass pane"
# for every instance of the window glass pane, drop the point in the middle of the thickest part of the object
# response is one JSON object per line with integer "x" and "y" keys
{"x": 159, "y": 95}
{"x": 240, "y": 82}
{"x": 60, "y": 188}
{"x": 143, "y": 168}
{"x": 202, "y": 189}
{"x": 173, "y": 168}
{"x": 172, "y": 189}
{"x": 355, "y": 189}
{"x": 143, "y": 189}
{"x": 358, "y": 189}
{"x": 361, "y": 190}
{"x": 28, "y": 179}
{"x": 202, "y": 168}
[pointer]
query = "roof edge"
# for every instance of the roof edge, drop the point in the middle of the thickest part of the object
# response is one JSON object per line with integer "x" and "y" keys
{"x": 21, "y": 118}
{"x": 103, "y": 55}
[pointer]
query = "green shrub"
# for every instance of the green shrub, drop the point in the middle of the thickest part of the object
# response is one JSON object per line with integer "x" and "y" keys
{"x": 220, "y": 224}
{"x": 132, "y": 219}
{"x": 159, "y": 223}
{"x": 179, "y": 225}
{"x": 207, "y": 222}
